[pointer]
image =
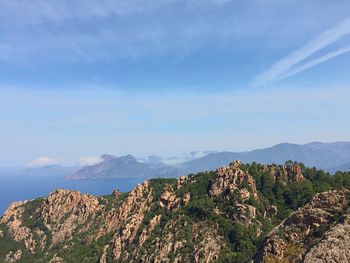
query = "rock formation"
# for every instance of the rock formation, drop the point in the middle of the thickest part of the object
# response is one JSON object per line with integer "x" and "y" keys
{"x": 218, "y": 216}
{"x": 72, "y": 210}
{"x": 14, "y": 256}
{"x": 230, "y": 179}
{"x": 285, "y": 173}
{"x": 294, "y": 237}
{"x": 334, "y": 246}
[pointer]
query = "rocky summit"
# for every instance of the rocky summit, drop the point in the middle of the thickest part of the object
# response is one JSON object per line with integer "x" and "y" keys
{"x": 237, "y": 213}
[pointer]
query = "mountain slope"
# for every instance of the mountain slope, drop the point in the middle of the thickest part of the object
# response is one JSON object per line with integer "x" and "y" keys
{"x": 320, "y": 155}
{"x": 344, "y": 167}
{"x": 123, "y": 167}
{"x": 175, "y": 160}
{"x": 219, "y": 216}
{"x": 305, "y": 233}
{"x": 328, "y": 156}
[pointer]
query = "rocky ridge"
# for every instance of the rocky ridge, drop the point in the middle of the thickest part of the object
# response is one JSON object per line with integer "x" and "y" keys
{"x": 196, "y": 218}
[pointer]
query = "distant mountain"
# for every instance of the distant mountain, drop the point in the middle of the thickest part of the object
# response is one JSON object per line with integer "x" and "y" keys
{"x": 328, "y": 156}
{"x": 321, "y": 155}
{"x": 343, "y": 168}
{"x": 123, "y": 167}
{"x": 175, "y": 160}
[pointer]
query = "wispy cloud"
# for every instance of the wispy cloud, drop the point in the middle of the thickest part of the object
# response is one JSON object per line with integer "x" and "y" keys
{"x": 281, "y": 67}
{"x": 106, "y": 30}
{"x": 317, "y": 61}
{"x": 83, "y": 161}
{"x": 56, "y": 30}
{"x": 41, "y": 11}
{"x": 43, "y": 161}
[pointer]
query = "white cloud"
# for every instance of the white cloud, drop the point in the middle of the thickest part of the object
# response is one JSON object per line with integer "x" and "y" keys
{"x": 43, "y": 161}
{"x": 41, "y": 11}
{"x": 282, "y": 66}
{"x": 83, "y": 161}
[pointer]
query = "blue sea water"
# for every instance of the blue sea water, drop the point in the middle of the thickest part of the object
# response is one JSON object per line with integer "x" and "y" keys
{"x": 19, "y": 187}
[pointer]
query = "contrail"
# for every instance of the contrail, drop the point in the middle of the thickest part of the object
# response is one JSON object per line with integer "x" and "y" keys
{"x": 282, "y": 66}
{"x": 317, "y": 61}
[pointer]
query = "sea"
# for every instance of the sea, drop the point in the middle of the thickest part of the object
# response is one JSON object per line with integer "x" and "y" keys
{"x": 19, "y": 187}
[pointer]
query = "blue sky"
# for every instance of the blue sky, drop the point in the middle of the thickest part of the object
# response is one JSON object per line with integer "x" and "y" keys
{"x": 85, "y": 77}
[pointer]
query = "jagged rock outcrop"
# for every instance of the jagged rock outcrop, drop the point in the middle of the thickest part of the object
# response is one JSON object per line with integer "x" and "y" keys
{"x": 186, "y": 199}
{"x": 14, "y": 210}
{"x": 137, "y": 202}
{"x": 169, "y": 199}
{"x": 14, "y": 256}
{"x": 334, "y": 246}
{"x": 181, "y": 181}
{"x": 65, "y": 212}
{"x": 285, "y": 173}
{"x": 13, "y": 219}
{"x": 148, "y": 231}
{"x": 298, "y": 233}
{"x": 116, "y": 193}
{"x": 56, "y": 259}
{"x": 209, "y": 246}
{"x": 237, "y": 184}
{"x": 103, "y": 257}
{"x": 166, "y": 244}
{"x": 230, "y": 179}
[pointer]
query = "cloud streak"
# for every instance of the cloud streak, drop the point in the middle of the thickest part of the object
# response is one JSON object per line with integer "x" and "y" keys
{"x": 317, "y": 61}
{"x": 41, "y": 11}
{"x": 91, "y": 160}
{"x": 281, "y": 67}
{"x": 43, "y": 161}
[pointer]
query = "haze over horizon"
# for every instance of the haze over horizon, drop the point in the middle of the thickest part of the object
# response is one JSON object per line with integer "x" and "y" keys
{"x": 176, "y": 158}
{"x": 164, "y": 77}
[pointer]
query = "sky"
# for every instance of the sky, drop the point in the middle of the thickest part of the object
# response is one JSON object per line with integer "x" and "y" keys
{"x": 86, "y": 77}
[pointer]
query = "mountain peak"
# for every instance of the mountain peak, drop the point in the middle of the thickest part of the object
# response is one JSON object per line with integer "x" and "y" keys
{"x": 128, "y": 159}
{"x": 108, "y": 157}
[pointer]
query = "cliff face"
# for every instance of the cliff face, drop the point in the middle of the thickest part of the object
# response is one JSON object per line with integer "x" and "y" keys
{"x": 314, "y": 233}
{"x": 218, "y": 216}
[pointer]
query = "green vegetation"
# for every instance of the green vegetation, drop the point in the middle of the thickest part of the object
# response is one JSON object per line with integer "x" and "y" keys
{"x": 197, "y": 185}
{"x": 158, "y": 185}
{"x": 110, "y": 201}
{"x": 7, "y": 243}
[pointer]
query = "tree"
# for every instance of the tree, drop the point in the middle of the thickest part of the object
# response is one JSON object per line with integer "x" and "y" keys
{"x": 298, "y": 194}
